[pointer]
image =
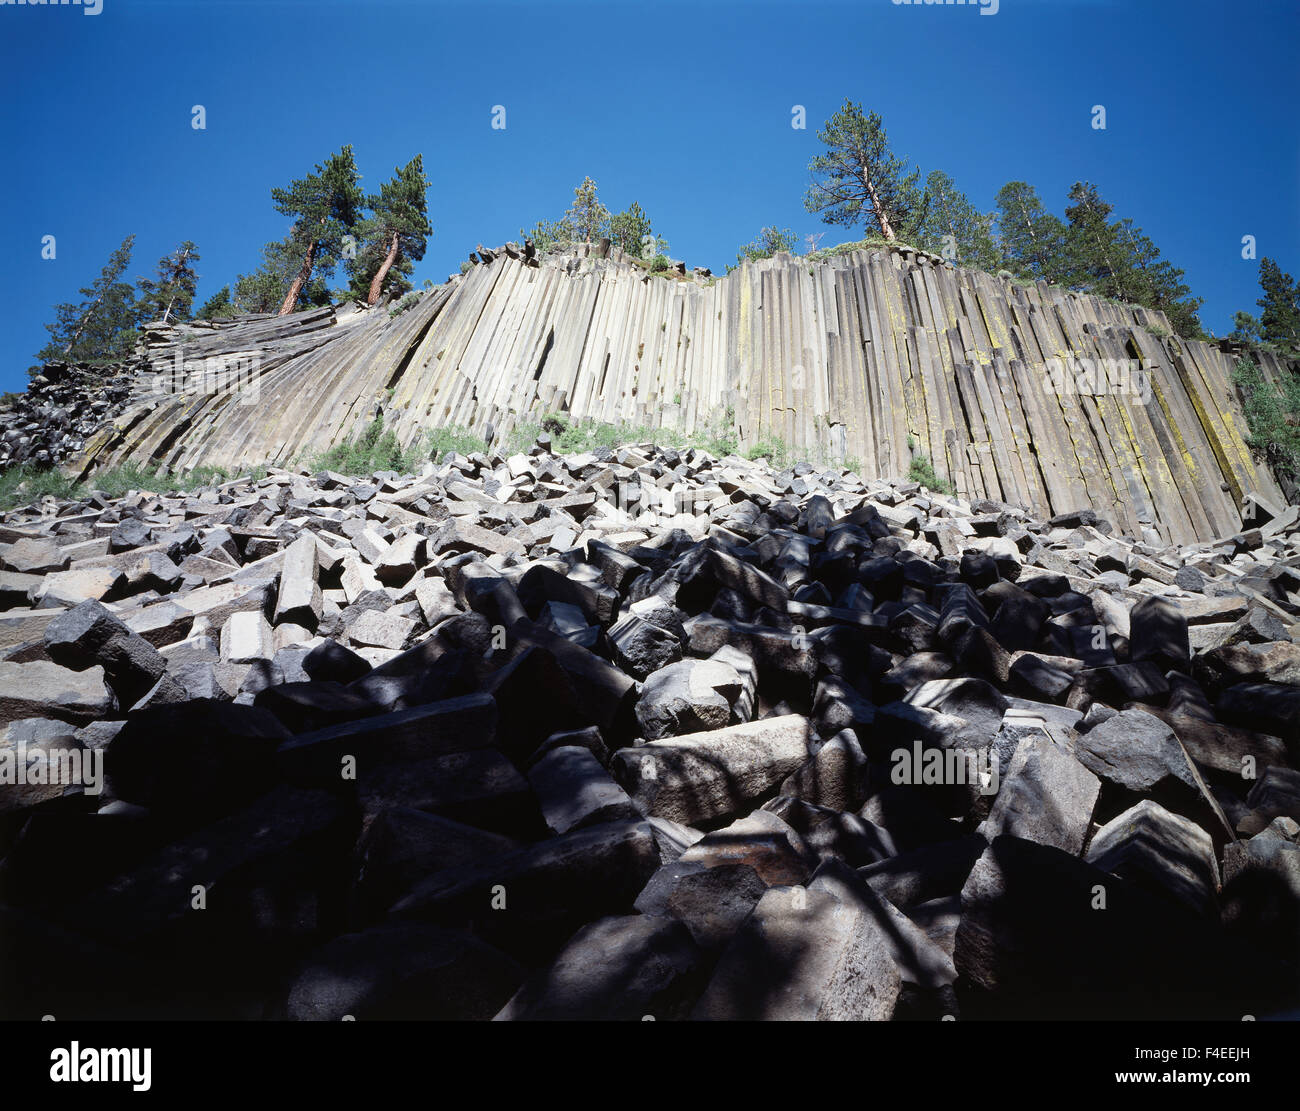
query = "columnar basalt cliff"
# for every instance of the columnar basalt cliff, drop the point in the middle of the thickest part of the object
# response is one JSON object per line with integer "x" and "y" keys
{"x": 864, "y": 358}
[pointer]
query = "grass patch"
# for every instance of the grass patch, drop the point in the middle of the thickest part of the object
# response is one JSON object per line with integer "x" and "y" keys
{"x": 922, "y": 471}
{"x": 378, "y": 449}
{"x": 870, "y": 243}
{"x": 569, "y": 437}
{"x": 455, "y": 438}
{"x": 118, "y": 481}
{"x": 374, "y": 450}
{"x": 25, "y": 484}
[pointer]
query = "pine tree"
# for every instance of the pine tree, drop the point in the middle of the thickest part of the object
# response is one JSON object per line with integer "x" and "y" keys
{"x": 264, "y": 290}
{"x": 394, "y": 237}
{"x": 770, "y": 240}
{"x": 1094, "y": 259}
{"x": 946, "y": 216}
{"x": 218, "y": 306}
{"x": 587, "y": 217}
{"x": 1117, "y": 260}
{"x": 859, "y": 179}
{"x": 1031, "y": 239}
{"x": 102, "y": 328}
{"x": 325, "y": 205}
{"x": 588, "y": 220}
{"x": 628, "y": 230}
{"x": 1279, "y": 320}
{"x": 549, "y": 235}
{"x": 170, "y": 295}
{"x": 1245, "y": 329}
{"x": 1155, "y": 282}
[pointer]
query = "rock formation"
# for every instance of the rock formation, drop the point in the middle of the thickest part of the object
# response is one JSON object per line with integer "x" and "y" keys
{"x": 1028, "y": 394}
{"x": 639, "y": 733}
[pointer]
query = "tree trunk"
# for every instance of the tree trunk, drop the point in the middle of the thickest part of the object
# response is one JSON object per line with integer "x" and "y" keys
{"x": 377, "y": 282}
{"x": 1039, "y": 256}
{"x": 81, "y": 324}
{"x": 300, "y": 282}
{"x": 882, "y": 217}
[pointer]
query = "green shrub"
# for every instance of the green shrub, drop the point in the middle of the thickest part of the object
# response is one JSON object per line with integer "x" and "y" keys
{"x": 408, "y": 302}
{"x": 588, "y": 434}
{"x": 774, "y": 451}
{"x": 1272, "y": 416}
{"x": 922, "y": 471}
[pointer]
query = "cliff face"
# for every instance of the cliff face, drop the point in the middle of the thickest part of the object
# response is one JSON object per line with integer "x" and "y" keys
{"x": 1031, "y": 395}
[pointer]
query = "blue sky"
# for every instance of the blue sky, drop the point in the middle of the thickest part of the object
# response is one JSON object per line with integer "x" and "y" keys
{"x": 682, "y": 106}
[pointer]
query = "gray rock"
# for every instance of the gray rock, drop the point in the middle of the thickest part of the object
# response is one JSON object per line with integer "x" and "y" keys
{"x": 550, "y": 890}
{"x": 687, "y": 697}
{"x": 618, "y": 968}
{"x": 1134, "y": 750}
{"x": 1046, "y": 795}
{"x": 575, "y": 791}
{"x": 642, "y": 647}
{"x": 713, "y": 774}
{"x": 804, "y": 955}
{"x": 44, "y": 689}
{"x": 401, "y": 972}
{"x": 298, "y": 600}
{"x": 1160, "y": 851}
{"x": 836, "y": 777}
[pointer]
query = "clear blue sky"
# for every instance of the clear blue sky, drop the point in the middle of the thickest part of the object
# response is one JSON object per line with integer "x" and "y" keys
{"x": 681, "y": 105}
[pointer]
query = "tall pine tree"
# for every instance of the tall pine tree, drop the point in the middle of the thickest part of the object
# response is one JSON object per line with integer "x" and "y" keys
{"x": 1094, "y": 259}
{"x": 169, "y": 296}
{"x": 267, "y": 288}
{"x": 1279, "y": 320}
{"x": 1155, "y": 282}
{"x": 394, "y": 237}
{"x": 630, "y": 229}
{"x": 325, "y": 206}
{"x": 947, "y": 217}
{"x": 858, "y": 179}
{"x": 100, "y": 329}
{"x": 587, "y": 220}
{"x": 1031, "y": 239}
{"x": 1116, "y": 259}
{"x": 587, "y": 217}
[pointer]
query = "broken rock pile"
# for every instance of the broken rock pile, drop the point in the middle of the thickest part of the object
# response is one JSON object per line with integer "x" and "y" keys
{"x": 641, "y": 732}
{"x": 50, "y": 422}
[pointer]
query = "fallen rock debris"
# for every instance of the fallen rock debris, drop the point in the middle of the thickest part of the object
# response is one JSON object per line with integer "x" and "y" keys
{"x": 641, "y": 732}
